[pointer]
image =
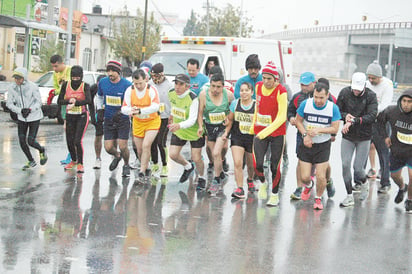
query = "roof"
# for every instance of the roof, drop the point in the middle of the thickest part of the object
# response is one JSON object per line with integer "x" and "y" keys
{"x": 9, "y": 21}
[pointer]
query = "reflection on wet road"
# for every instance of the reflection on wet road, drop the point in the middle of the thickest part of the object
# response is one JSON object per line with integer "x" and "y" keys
{"x": 60, "y": 222}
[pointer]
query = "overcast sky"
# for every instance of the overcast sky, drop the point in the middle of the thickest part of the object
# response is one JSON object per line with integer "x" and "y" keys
{"x": 271, "y": 15}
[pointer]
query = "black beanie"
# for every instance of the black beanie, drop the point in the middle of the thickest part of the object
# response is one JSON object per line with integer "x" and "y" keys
{"x": 252, "y": 61}
{"x": 77, "y": 71}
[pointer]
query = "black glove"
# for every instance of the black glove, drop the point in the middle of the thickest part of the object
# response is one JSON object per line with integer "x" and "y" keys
{"x": 117, "y": 117}
{"x": 100, "y": 115}
{"x": 25, "y": 112}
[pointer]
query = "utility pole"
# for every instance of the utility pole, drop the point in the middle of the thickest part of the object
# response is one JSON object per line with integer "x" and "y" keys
{"x": 144, "y": 31}
{"x": 207, "y": 7}
{"x": 69, "y": 33}
{"x": 240, "y": 19}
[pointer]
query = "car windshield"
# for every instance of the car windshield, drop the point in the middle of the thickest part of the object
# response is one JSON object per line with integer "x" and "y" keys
{"x": 4, "y": 86}
{"x": 174, "y": 63}
{"x": 46, "y": 80}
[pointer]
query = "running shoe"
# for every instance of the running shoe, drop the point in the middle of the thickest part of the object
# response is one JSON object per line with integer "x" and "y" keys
{"x": 239, "y": 193}
{"x": 223, "y": 176}
{"x": 201, "y": 184}
{"x": 364, "y": 191}
{"x": 330, "y": 188}
{"x": 126, "y": 171}
{"x": 97, "y": 163}
{"x": 43, "y": 158}
{"x": 296, "y": 195}
{"x": 155, "y": 168}
{"x": 140, "y": 178}
{"x": 67, "y": 160}
{"x": 70, "y": 165}
{"x": 273, "y": 200}
{"x": 306, "y": 192}
{"x": 251, "y": 186}
{"x": 114, "y": 163}
{"x": 371, "y": 173}
{"x": 401, "y": 194}
{"x": 263, "y": 191}
{"x": 164, "y": 171}
{"x": 356, "y": 187}
{"x": 318, "y": 204}
{"x": 80, "y": 168}
{"x": 135, "y": 164}
{"x": 28, "y": 165}
{"x": 384, "y": 189}
{"x": 408, "y": 206}
{"x": 187, "y": 173}
{"x": 348, "y": 201}
{"x": 214, "y": 188}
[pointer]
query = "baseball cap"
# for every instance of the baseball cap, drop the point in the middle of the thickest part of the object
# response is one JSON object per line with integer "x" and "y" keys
{"x": 306, "y": 78}
{"x": 183, "y": 78}
{"x": 358, "y": 81}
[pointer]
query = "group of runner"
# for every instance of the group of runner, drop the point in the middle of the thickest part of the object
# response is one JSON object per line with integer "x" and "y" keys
{"x": 206, "y": 110}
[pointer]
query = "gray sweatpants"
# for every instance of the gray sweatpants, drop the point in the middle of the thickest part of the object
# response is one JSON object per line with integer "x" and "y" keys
{"x": 361, "y": 149}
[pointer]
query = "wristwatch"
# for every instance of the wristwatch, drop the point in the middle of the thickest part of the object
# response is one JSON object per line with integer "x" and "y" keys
{"x": 304, "y": 135}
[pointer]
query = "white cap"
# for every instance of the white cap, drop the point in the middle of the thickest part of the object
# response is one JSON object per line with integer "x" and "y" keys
{"x": 358, "y": 81}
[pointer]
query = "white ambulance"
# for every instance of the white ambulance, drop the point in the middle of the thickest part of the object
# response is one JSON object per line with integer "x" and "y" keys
{"x": 228, "y": 52}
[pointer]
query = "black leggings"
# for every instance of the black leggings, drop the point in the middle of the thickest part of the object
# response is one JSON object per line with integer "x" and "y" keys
{"x": 33, "y": 127}
{"x": 160, "y": 142}
{"x": 276, "y": 146}
{"x": 76, "y": 126}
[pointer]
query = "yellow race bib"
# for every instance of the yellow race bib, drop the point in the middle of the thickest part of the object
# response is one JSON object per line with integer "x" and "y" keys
{"x": 113, "y": 101}
{"x": 217, "y": 118}
{"x": 162, "y": 107}
{"x": 263, "y": 120}
{"x": 178, "y": 113}
{"x": 75, "y": 110}
{"x": 404, "y": 138}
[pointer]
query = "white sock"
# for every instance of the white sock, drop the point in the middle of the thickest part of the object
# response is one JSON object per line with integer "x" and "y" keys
{"x": 188, "y": 166}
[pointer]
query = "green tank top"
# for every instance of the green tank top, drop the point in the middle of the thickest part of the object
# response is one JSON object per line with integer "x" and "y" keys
{"x": 180, "y": 109}
{"x": 213, "y": 114}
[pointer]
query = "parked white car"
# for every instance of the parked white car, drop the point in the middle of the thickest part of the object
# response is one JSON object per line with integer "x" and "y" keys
{"x": 45, "y": 83}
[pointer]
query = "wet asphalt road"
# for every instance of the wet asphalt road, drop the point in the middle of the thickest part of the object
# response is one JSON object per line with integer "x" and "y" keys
{"x": 57, "y": 222}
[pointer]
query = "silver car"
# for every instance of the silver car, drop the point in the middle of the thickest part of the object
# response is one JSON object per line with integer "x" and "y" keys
{"x": 45, "y": 83}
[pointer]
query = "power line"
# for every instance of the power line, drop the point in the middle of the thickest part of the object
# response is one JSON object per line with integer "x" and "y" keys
{"x": 163, "y": 16}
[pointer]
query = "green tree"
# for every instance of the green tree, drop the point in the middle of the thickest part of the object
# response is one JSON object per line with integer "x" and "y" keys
{"x": 222, "y": 22}
{"x": 190, "y": 28}
{"x": 47, "y": 50}
{"x": 128, "y": 38}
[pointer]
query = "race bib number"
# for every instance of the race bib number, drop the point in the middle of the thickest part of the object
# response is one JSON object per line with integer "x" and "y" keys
{"x": 162, "y": 107}
{"x": 217, "y": 118}
{"x": 404, "y": 138}
{"x": 142, "y": 116}
{"x": 75, "y": 110}
{"x": 244, "y": 127}
{"x": 178, "y": 113}
{"x": 245, "y": 121}
{"x": 113, "y": 101}
{"x": 312, "y": 127}
{"x": 263, "y": 120}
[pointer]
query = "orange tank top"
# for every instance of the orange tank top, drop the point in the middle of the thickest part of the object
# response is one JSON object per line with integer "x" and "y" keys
{"x": 145, "y": 101}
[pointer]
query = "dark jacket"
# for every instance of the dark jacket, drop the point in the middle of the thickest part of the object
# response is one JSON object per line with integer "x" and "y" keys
{"x": 401, "y": 125}
{"x": 363, "y": 107}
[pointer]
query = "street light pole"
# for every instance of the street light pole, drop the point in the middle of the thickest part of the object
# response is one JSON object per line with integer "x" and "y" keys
{"x": 144, "y": 31}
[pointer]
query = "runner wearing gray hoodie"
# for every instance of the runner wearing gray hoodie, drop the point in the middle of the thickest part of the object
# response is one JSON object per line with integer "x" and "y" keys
{"x": 399, "y": 142}
{"x": 24, "y": 99}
